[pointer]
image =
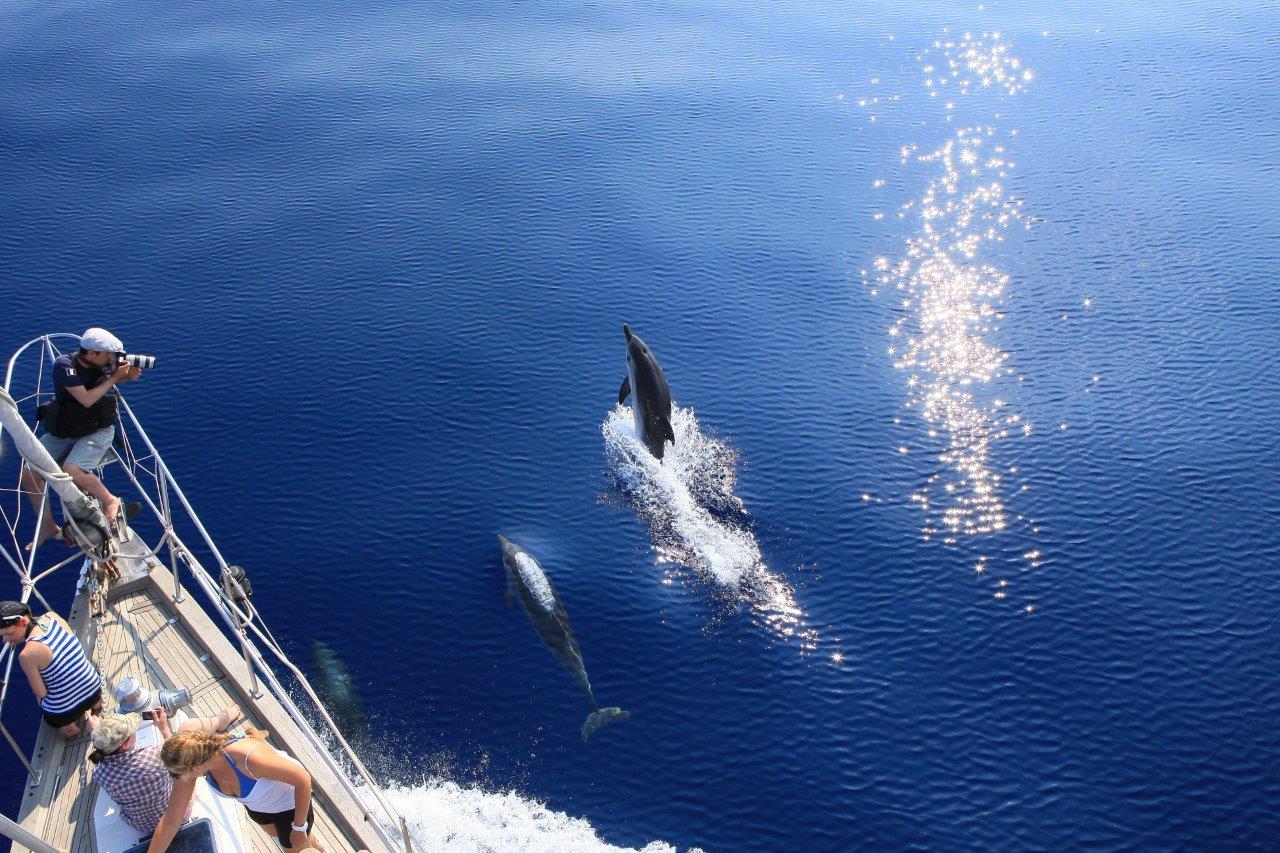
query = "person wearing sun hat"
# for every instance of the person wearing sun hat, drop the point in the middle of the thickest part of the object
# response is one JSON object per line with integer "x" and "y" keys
{"x": 133, "y": 775}
{"x": 80, "y": 421}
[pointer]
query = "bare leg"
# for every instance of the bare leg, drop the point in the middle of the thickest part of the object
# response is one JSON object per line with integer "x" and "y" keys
{"x": 91, "y": 484}
{"x": 311, "y": 844}
{"x": 90, "y": 720}
{"x": 33, "y": 486}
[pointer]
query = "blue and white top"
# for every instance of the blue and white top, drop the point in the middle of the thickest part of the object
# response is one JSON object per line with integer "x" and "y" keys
{"x": 265, "y": 796}
{"x": 70, "y": 678}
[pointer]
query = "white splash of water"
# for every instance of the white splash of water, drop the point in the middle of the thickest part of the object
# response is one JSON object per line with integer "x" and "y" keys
{"x": 444, "y": 816}
{"x": 668, "y": 491}
{"x": 684, "y": 498}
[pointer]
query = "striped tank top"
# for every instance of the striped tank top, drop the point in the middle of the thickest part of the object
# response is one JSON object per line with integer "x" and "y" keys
{"x": 70, "y": 678}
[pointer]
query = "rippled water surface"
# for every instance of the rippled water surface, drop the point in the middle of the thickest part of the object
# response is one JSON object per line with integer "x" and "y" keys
{"x": 969, "y": 312}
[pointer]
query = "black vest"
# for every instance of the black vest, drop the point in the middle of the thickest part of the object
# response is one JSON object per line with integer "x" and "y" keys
{"x": 64, "y": 417}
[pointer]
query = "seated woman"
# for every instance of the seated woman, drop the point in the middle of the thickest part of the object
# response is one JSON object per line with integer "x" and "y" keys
{"x": 65, "y": 683}
{"x": 133, "y": 775}
{"x": 273, "y": 787}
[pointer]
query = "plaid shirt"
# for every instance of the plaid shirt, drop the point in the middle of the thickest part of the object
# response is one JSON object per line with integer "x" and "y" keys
{"x": 139, "y": 783}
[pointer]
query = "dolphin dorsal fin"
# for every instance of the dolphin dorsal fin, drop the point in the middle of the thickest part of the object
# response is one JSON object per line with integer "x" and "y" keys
{"x": 625, "y": 389}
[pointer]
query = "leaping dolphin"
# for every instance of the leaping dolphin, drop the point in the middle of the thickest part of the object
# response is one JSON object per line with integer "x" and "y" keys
{"x": 648, "y": 383}
{"x": 526, "y": 579}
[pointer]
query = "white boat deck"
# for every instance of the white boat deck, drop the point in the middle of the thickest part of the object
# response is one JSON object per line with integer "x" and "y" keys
{"x": 167, "y": 644}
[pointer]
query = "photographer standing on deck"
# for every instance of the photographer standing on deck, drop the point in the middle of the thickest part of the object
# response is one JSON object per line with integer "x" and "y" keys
{"x": 80, "y": 421}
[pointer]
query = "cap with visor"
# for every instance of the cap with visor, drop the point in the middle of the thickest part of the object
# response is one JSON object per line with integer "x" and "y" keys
{"x": 12, "y": 611}
{"x": 113, "y": 730}
{"x": 100, "y": 340}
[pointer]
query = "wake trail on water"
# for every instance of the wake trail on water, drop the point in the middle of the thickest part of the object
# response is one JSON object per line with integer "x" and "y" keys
{"x": 443, "y": 815}
{"x": 695, "y": 519}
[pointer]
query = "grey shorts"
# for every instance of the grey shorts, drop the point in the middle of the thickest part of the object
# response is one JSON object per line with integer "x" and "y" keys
{"x": 86, "y": 453}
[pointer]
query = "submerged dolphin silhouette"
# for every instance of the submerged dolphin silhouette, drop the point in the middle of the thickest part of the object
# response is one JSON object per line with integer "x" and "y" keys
{"x": 648, "y": 383}
{"x": 336, "y": 689}
{"x": 526, "y": 579}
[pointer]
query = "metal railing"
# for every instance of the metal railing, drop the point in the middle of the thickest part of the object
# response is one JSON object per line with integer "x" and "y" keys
{"x": 242, "y": 620}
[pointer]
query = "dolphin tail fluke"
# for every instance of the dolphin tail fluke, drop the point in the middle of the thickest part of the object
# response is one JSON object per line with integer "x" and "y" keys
{"x": 625, "y": 389}
{"x": 601, "y": 718}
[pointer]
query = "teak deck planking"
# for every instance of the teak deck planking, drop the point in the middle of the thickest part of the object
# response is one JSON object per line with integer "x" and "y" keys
{"x": 145, "y": 633}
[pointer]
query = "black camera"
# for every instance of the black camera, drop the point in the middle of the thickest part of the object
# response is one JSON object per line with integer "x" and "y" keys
{"x": 142, "y": 362}
{"x": 148, "y": 715}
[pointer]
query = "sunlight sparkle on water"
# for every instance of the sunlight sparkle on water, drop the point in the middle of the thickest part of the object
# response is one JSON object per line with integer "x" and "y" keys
{"x": 949, "y": 324}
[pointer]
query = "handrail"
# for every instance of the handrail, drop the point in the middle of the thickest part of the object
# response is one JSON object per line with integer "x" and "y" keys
{"x": 240, "y": 622}
{"x": 9, "y": 829}
{"x": 234, "y": 618}
{"x": 13, "y": 359}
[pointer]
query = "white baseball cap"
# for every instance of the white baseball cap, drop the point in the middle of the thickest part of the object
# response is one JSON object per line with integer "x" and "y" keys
{"x": 100, "y": 340}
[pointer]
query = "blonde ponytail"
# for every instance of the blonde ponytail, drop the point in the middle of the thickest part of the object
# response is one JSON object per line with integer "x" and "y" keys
{"x": 186, "y": 750}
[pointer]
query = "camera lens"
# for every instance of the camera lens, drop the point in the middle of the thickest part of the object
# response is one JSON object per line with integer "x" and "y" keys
{"x": 142, "y": 362}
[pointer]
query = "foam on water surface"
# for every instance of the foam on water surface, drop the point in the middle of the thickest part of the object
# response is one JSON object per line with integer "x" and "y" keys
{"x": 695, "y": 519}
{"x": 443, "y": 815}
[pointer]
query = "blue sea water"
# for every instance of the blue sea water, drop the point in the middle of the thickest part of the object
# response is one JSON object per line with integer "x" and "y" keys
{"x": 384, "y": 253}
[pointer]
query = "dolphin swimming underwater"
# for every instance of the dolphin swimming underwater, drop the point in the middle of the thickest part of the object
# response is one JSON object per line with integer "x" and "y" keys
{"x": 648, "y": 383}
{"x": 337, "y": 690}
{"x": 526, "y": 579}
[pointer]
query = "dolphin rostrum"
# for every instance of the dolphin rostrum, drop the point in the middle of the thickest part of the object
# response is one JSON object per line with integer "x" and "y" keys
{"x": 648, "y": 383}
{"x": 526, "y": 579}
